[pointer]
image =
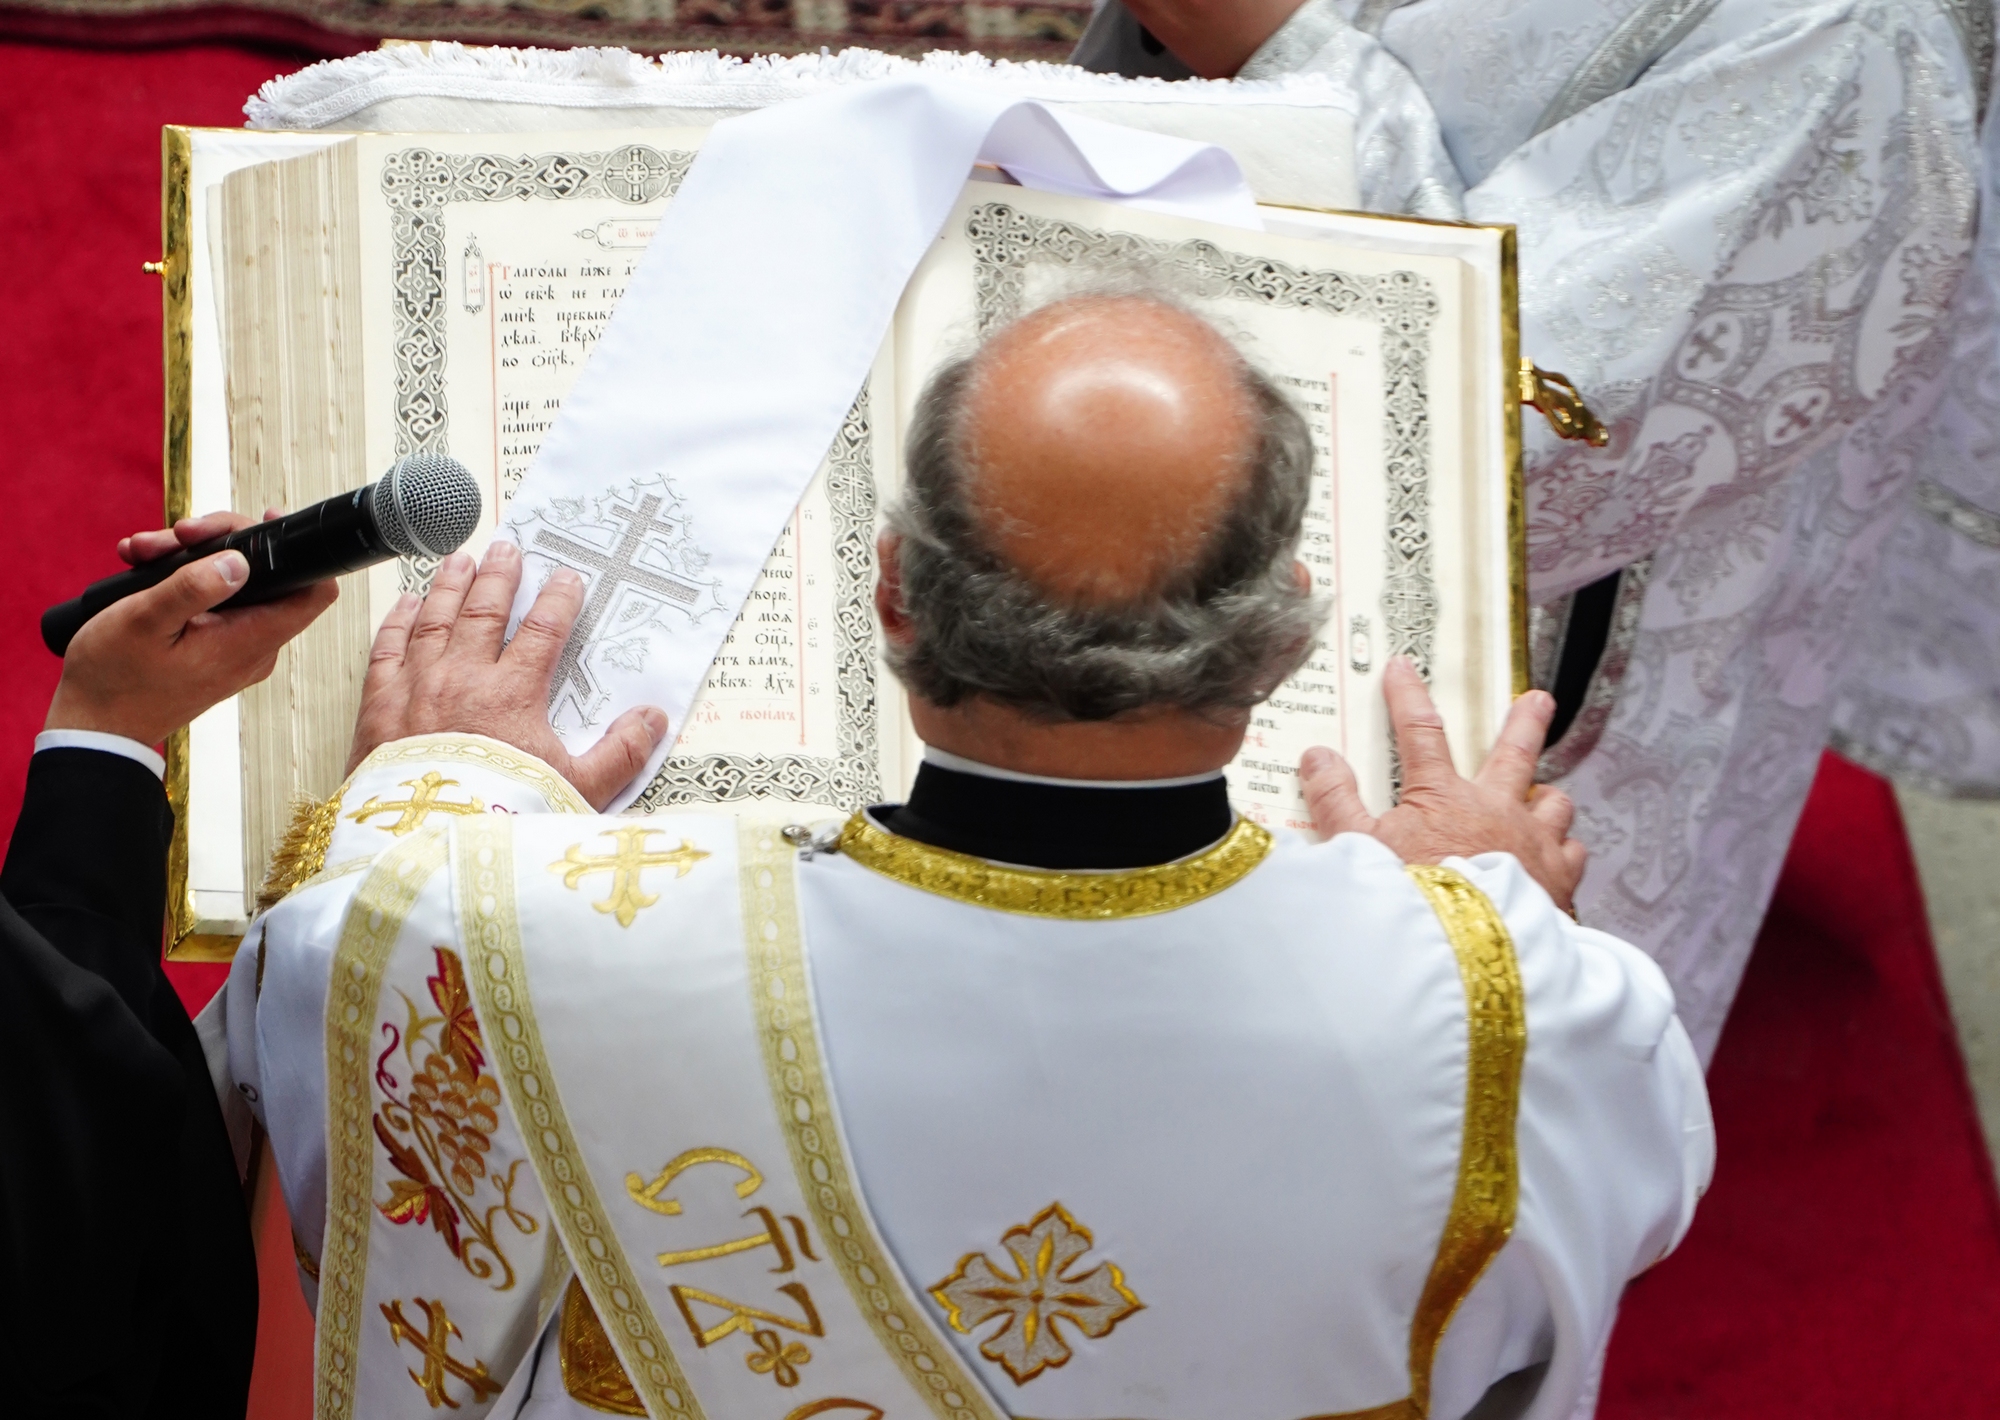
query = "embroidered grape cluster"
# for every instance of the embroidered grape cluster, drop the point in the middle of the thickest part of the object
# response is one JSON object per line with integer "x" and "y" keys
{"x": 463, "y": 1106}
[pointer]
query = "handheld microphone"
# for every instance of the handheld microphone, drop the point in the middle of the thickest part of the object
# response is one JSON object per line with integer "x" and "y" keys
{"x": 426, "y": 506}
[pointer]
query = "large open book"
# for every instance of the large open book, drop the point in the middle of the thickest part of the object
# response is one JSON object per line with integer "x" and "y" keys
{"x": 336, "y": 302}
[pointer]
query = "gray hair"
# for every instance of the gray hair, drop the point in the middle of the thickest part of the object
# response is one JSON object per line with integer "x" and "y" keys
{"x": 1216, "y": 639}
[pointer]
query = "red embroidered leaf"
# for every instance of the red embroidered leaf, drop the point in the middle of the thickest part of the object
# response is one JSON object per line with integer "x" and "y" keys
{"x": 413, "y": 1198}
{"x": 409, "y": 1201}
{"x": 460, "y": 1037}
{"x": 406, "y": 1160}
{"x": 413, "y": 1202}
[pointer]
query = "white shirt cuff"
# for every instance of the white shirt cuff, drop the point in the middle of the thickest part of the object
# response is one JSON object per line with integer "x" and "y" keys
{"x": 108, "y": 744}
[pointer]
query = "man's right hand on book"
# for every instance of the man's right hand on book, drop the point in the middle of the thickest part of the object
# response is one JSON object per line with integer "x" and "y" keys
{"x": 1441, "y": 813}
{"x": 149, "y": 663}
{"x": 443, "y": 664}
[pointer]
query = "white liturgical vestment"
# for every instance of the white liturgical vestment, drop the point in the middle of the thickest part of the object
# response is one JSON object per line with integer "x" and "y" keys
{"x": 670, "y": 1115}
{"x": 1742, "y": 223}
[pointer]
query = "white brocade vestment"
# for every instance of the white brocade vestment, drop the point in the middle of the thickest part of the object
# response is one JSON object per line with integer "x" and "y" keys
{"x": 1742, "y": 223}
{"x": 1279, "y": 1130}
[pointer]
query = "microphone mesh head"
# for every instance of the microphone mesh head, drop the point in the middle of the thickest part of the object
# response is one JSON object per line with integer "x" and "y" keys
{"x": 427, "y": 505}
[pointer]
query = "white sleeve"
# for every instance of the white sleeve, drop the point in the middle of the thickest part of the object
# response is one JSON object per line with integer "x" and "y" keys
{"x": 104, "y": 744}
{"x": 1614, "y": 1144}
{"x": 276, "y": 1008}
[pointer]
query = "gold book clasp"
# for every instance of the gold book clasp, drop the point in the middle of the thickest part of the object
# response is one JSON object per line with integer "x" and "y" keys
{"x": 1561, "y": 405}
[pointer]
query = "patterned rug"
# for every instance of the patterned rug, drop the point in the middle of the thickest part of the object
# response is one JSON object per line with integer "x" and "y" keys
{"x": 1045, "y": 29}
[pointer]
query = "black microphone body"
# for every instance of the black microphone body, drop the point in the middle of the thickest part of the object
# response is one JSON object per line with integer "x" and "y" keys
{"x": 417, "y": 505}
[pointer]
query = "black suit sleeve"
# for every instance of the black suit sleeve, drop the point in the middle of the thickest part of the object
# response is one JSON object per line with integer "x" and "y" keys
{"x": 128, "y": 1285}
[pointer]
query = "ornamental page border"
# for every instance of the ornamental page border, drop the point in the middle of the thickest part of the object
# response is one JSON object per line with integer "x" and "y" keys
{"x": 1404, "y": 304}
{"x": 417, "y": 184}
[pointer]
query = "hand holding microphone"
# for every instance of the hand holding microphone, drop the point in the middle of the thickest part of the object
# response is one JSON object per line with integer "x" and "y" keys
{"x": 210, "y": 603}
{"x": 426, "y": 506}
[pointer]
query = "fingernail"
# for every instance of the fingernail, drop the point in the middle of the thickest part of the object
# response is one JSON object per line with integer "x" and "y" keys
{"x": 656, "y": 722}
{"x": 458, "y": 562}
{"x": 567, "y": 577}
{"x": 408, "y": 601}
{"x": 233, "y": 568}
{"x": 1315, "y": 759}
{"x": 499, "y": 552}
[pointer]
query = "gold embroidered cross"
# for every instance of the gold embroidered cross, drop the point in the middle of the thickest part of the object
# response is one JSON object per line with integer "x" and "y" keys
{"x": 438, "y": 1360}
{"x": 1041, "y": 1292}
{"x": 625, "y": 866}
{"x": 422, "y": 803}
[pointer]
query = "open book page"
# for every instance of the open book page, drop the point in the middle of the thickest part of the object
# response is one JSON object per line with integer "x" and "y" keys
{"x": 1372, "y": 346}
{"x": 494, "y": 262}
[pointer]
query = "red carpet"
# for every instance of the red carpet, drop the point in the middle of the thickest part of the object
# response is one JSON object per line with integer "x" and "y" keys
{"x": 1846, "y": 1262}
{"x": 1846, "y": 1265}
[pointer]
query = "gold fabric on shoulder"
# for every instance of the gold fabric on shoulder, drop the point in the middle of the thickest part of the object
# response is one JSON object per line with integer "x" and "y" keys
{"x": 301, "y": 853}
{"x": 1032, "y": 892}
{"x": 1482, "y": 1203}
{"x": 591, "y": 1371}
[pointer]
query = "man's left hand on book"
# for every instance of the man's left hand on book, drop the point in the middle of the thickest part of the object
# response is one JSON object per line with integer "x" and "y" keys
{"x": 148, "y": 664}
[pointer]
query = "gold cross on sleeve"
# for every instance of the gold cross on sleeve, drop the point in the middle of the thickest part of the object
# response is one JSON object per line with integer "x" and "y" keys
{"x": 625, "y": 866}
{"x": 422, "y": 803}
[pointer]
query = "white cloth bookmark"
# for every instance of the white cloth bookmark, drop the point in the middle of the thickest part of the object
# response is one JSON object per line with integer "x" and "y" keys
{"x": 744, "y": 337}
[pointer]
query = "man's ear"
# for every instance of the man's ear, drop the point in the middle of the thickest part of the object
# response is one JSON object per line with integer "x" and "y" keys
{"x": 889, "y": 589}
{"x": 1302, "y": 578}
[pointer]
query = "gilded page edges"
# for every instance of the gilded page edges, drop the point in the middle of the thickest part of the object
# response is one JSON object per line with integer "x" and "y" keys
{"x": 1517, "y": 484}
{"x": 177, "y": 473}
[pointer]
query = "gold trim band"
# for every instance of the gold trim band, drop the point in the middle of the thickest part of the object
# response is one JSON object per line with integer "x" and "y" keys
{"x": 375, "y": 918}
{"x": 1482, "y": 1204}
{"x": 1086, "y": 897}
{"x": 781, "y": 1002}
{"x": 1496, "y": 1045}
{"x": 498, "y": 970}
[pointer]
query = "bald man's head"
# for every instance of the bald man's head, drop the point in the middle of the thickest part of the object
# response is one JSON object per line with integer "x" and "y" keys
{"x": 1101, "y": 514}
{"x": 1103, "y": 439}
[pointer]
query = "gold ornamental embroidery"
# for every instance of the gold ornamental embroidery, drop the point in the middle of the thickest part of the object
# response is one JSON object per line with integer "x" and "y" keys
{"x": 301, "y": 854}
{"x": 1138, "y": 892}
{"x": 591, "y": 1371}
{"x": 647, "y": 1195}
{"x": 484, "y": 868}
{"x": 1483, "y": 1201}
{"x": 781, "y": 997}
{"x": 625, "y": 866}
{"x": 481, "y": 753}
{"x": 778, "y": 1359}
{"x": 1045, "y": 1288}
{"x": 439, "y": 1129}
{"x": 1496, "y": 1034}
{"x": 375, "y": 919}
{"x": 439, "y": 1364}
{"x": 422, "y": 803}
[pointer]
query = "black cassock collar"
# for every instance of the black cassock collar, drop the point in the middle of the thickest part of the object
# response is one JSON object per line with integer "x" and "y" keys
{"x": 1059, "y": 826}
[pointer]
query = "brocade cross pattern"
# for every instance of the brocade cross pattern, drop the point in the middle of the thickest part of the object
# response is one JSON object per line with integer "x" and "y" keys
{"x": 439, "y": 1363}
{"x": 422, "y": 803}
{"x": 625, "y": 865}
{"x": 614, "y": 569}
{"x": 1046, "y": 1287}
